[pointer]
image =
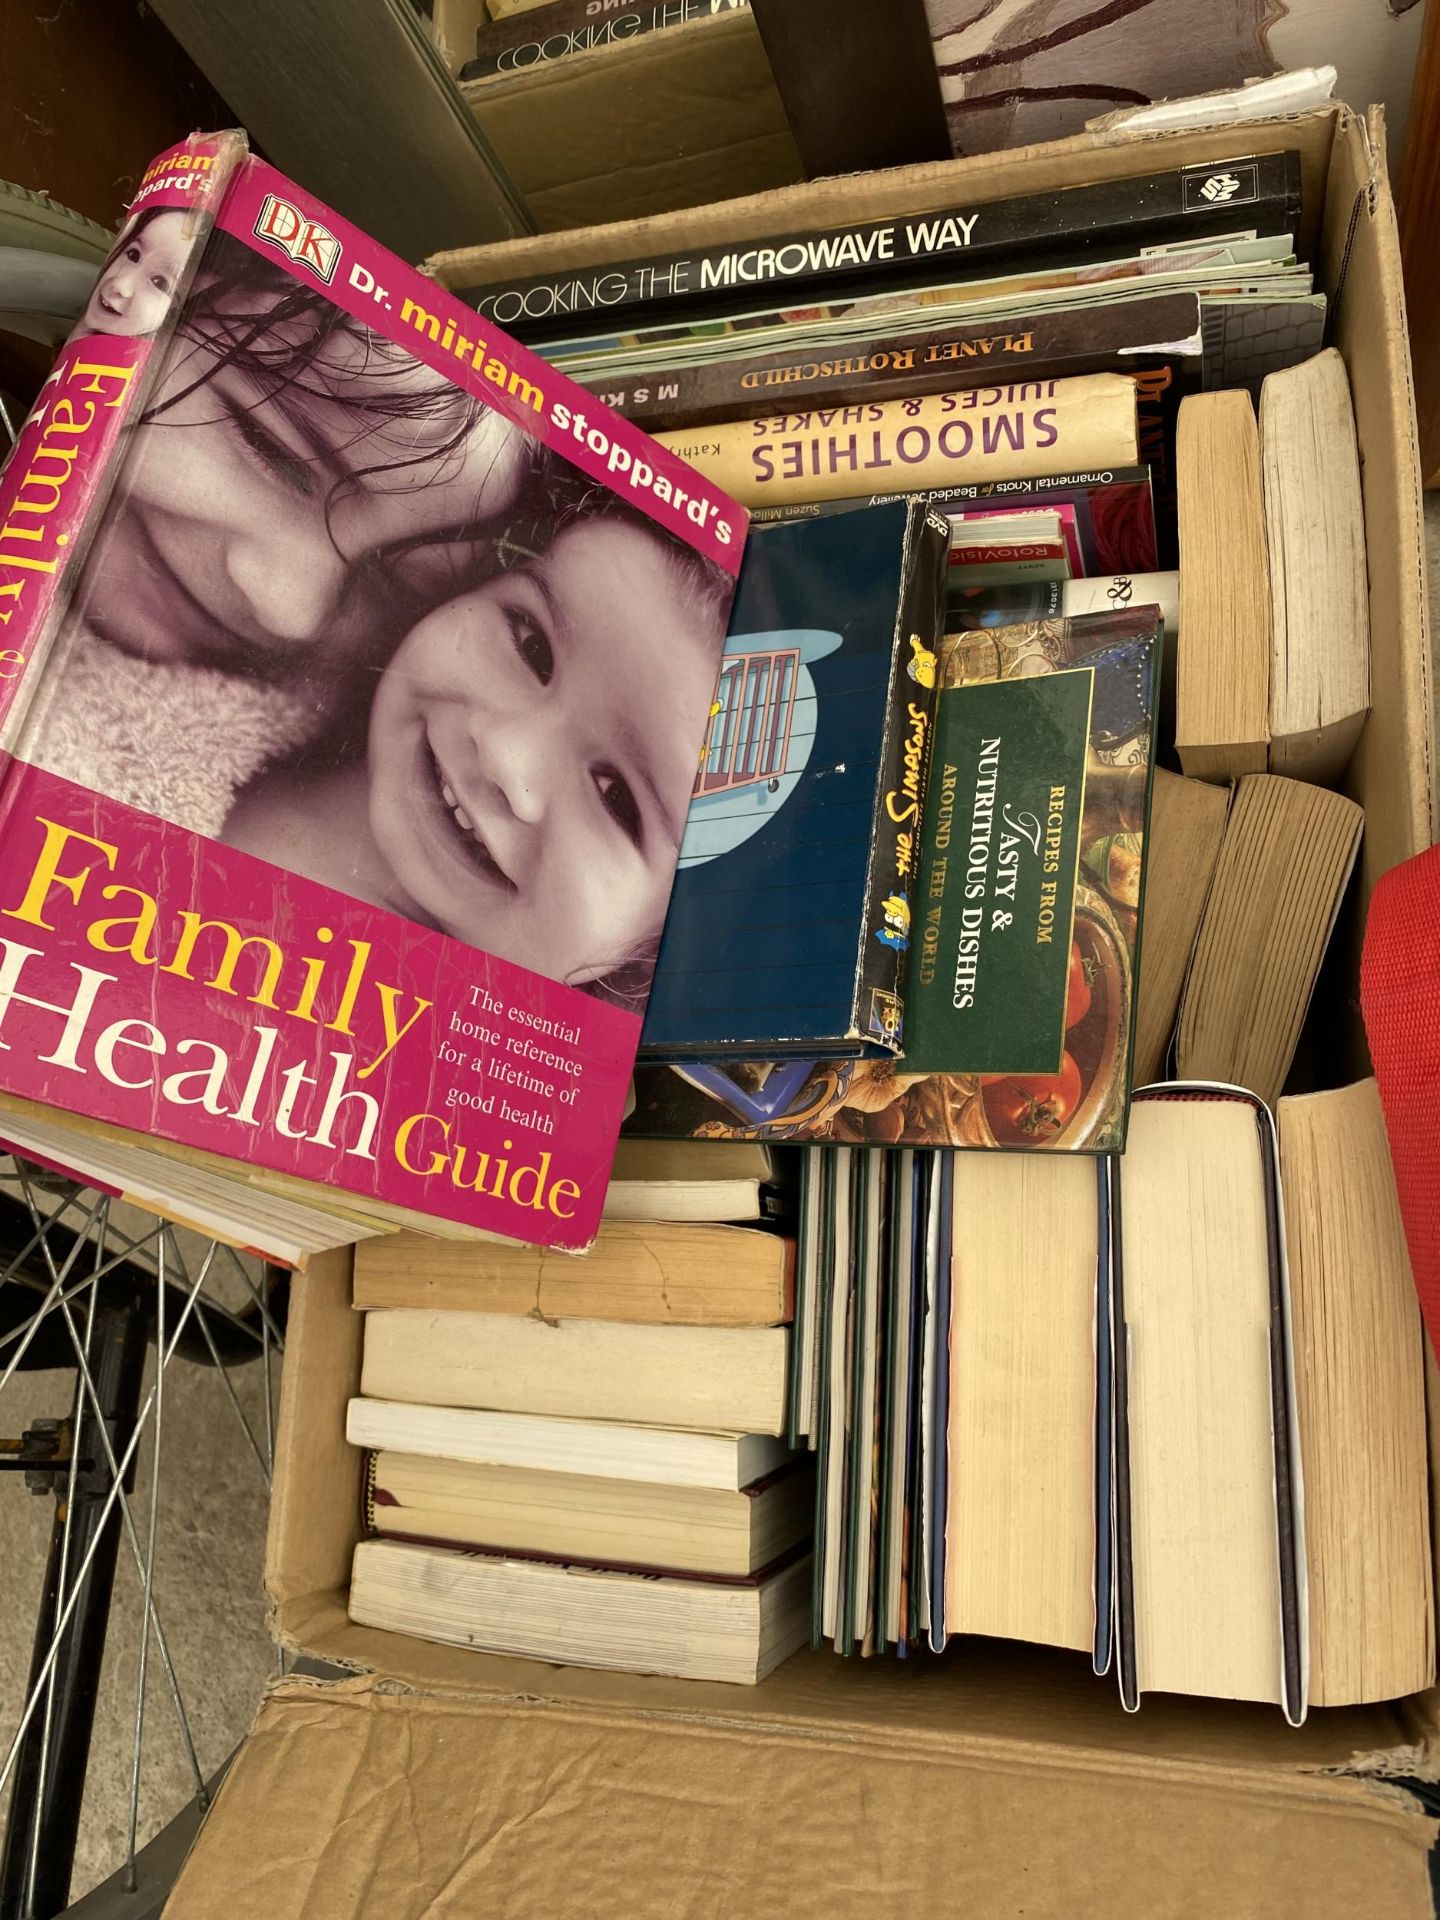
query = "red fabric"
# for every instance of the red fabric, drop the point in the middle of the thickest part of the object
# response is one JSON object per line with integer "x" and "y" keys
{"x": 1400, "y": 1000}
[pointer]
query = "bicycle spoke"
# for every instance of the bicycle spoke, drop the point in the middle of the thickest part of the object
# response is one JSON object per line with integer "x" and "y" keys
{"x": 148, "y": 1578}
{"x": 102, "y": 1432}
{"x": 259, "y": 1298}
{"x": 133, "y": 1536}
{"x": 63, "y": 1591}
{"x": 32, "y": 1326}
{"x": 163, "y": 1359}
{"x": 27, "y": 1331}
{"x": 222, "y": 1370}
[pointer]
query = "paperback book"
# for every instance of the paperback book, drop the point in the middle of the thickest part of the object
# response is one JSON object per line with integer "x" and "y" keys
{"x": 790, "y": 922}
{"x": 1260, "y": 196}
{"x": 356, "y": 667}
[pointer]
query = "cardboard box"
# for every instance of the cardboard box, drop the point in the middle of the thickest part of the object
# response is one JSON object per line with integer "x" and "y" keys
{"x": 1001, "y": 1780}
{"x": 674, "y": 118}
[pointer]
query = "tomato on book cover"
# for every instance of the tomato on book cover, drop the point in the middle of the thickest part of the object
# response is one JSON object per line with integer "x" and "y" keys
{"x": 356, "y": 671}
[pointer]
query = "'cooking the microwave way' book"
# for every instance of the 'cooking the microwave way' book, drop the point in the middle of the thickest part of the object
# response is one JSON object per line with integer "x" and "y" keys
{"x": 789, "y": 927}
{"x": 354, "y": 668}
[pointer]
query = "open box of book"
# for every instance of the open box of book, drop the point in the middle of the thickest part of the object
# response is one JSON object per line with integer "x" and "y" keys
{"x": 999, "y": 1778}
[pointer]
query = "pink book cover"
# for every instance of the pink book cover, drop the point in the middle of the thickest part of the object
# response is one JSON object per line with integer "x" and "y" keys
{"x": 354, "y": 670}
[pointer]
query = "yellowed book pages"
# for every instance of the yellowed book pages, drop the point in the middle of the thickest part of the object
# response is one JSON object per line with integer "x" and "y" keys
{"x": 1187, "y": 825}
{"x": 1286, "y": 857}
{"x": 583, "y": 1517}
{"x": 702, "y": 1379}
{"x": 1020, "y": 1531}
{"x": 1315, "y": 526}
{"x": 1360, "y": 1390}
{"x": 1202, "y": 1468}
{"x": 667, "y": 1274}
{"x": 941, "y": 440}
{"x": 1222, "y": 676}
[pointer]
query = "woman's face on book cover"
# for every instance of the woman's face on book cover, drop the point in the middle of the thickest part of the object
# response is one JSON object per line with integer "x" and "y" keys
{"x": 259, "y": 517}
{"x": 530, "y": 758}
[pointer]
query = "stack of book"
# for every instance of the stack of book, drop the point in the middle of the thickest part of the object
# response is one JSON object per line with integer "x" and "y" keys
{"x": 585, "y": 1460}
{"x": 1165, "y": 1408}
{"x": 1021, "y": 791}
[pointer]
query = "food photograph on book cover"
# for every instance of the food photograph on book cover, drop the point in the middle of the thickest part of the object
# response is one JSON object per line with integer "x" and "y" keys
{"x": 419, "y": 641}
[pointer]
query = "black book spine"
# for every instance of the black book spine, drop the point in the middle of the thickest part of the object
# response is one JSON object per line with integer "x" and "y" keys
{"x": 900, "y": 788}
{"x": 909, "y": 361}
{"x": 1260, "y": 194}
{"x": 569, "y": 27}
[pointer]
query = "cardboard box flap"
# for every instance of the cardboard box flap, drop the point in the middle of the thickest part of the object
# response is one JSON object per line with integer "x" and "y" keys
{"x": 842, "y": 199}
{"x": 432, "y": 1808}
{"x": 1359, "y": 263}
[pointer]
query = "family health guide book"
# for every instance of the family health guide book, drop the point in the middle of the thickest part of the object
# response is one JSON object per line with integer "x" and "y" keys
{"x": 354, "y": 671}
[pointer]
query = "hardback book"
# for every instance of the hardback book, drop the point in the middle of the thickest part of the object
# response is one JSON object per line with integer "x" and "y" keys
{"x": 338, "y": 837}
{"x": 562, "y": 28}
{"x": 1187, "y": 829}
{"x": 1011, "y": 604}
{"x": 1113, "y": 507}
{"x": 789, "y": 925}
{"x": 1315, "y": 532}
{"x": 1016, "y": 431}
{"x": 1211, "y": 1541}
{"x": 709, "y": 1379}
{"x": 1020, "y": 1530}
{"x": 662, "y": 1273}
{"x": 1032, "y": 872}
{"x": 575, "y": 1516}
{"x": 989, "y": 549}
{"x": 1222, "y": 689}
{"x": 1360, "y": 1392}
{"x": 691, "y": 1628}
{"x": 1136, "y": 212}
{"x": 915, "y": 355}
{"x": 563, "y": 1444}
{"x": 675, "y": 1180}
{"x": 1286, "y": 858}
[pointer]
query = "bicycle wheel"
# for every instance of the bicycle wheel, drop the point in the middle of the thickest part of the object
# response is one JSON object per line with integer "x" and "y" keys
{"x": 137, "y": 1417}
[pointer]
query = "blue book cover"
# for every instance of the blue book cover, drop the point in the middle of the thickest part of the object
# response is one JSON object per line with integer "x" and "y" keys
{"x": 789, "y": 922}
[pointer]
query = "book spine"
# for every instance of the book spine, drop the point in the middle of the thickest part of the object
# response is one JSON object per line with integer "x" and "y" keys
{"x": 900, "y": 790}
{"x": 1260, "y": 195}
{"x": 577, "y": 26}
{"x": 984, "y": 433}
{"x": 1039, "y": 346}
{"x": 61, "y": 471}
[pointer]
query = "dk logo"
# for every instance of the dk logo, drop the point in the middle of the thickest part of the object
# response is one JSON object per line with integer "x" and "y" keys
{"x": 299, "y": 237}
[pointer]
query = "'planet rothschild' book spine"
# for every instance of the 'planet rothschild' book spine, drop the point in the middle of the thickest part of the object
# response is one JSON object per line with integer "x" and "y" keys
{"x": 982, "y": 433}
{"x": 1038, "y": 346}
{"x": 576, "y": 26}
{"x": 905, "y": 757}
{"x": 242, "y": 916}
{"x": 1259, "y": 195}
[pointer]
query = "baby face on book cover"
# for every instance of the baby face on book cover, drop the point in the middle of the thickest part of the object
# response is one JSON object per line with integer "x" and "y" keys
{"x": 371, "y": 666}
{"x": 395, "y": 645}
